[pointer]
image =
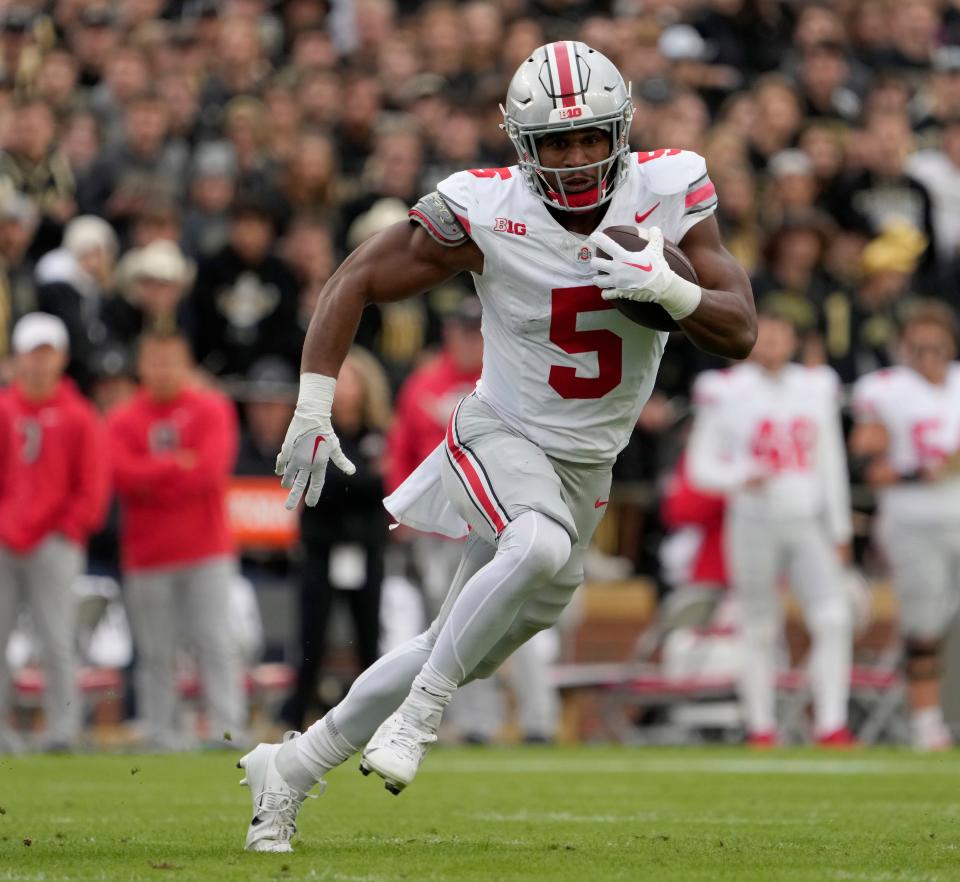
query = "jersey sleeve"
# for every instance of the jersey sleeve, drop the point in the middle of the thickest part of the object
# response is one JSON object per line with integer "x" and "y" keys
{"x": 438, "y": 220}
{"x": 700, "y": 196}
{"x": 459, "y": 194}
{"x": 710, "y": 388}
{"x": 681, "y": 175}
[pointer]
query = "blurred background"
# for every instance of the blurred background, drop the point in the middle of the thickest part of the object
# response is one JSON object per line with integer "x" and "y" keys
{"x": 204, "y": 166}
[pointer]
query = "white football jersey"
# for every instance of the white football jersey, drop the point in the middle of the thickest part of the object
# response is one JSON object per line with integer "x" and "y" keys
{"x": 923, "y": 425}
{"x": 784, "y": 427}
{"x": 561, "y": 365}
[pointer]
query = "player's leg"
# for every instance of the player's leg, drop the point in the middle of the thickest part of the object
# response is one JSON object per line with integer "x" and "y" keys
{"x": 281, "y": 776}
{"x": 151, "y": 605}
{"x": 50, "y": 574}
{"x": 753, "y": 556}
{"x": 206, "y": 590}
{"x": 817, "y": 581}
{"x": 11, "y": 571}
{"x": 924, "y": 569}
{"x": 534, "y": 546}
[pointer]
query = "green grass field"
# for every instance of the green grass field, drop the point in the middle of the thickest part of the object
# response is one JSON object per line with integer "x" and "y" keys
{"x": 565, "y": 815}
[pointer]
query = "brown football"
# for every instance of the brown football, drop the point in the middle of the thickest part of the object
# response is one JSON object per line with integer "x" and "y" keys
{"x": 650, "y": 315}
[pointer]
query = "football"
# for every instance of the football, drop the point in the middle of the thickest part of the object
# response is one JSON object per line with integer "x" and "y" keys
{"x": 650, "y": 315}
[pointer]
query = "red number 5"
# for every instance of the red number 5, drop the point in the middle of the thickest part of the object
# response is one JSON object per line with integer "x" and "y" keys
{"x": 566, "y": 305}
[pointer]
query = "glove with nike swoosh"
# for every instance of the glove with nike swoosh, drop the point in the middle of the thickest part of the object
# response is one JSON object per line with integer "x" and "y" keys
{"x": 644, "y": 276}
{"x": 310, "y": 442}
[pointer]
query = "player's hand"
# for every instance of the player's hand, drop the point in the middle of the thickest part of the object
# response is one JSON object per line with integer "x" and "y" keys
{"x": 644, "y": 276}
{"x": 310, "y": 443}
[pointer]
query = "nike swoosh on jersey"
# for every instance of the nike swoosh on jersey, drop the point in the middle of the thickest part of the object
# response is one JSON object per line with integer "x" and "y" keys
{"x": 640, "y": 218}
{"x": 600, "y": 503}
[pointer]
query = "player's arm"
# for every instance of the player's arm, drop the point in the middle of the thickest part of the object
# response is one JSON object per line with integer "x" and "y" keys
{"x": 718, "y": 314}
{"x": 869, "y": 446}
{"x": 725, "y": 320}
{"x": 401, "y": 262}
{"x": 397, "y": 264}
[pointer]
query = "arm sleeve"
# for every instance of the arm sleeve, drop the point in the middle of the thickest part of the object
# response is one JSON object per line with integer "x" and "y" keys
{"x": 711, "y": 468}
{"x": 832, "y": 468}
{"x": 87, "y": 507}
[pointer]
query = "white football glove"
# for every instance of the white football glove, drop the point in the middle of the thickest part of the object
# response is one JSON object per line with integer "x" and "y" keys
{"x": 310, "y": 442}
{"x": 644, "y": 276}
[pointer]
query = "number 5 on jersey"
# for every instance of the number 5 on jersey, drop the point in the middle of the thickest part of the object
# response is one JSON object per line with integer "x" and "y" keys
{"x": 565, "y": 305}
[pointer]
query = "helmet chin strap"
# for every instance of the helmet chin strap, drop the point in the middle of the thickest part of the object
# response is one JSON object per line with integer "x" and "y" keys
{"x": 585, "y": 199}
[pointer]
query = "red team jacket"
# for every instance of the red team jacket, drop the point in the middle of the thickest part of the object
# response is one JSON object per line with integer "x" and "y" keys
{"x": 684, "y": 505}
{"x": 54, "y": 476}
{"x": 174, "y": 514}
{"x": 423, "y": 410}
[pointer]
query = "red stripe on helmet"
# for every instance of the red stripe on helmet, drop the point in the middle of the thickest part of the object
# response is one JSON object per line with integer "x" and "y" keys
{"x": 565, "y": 74}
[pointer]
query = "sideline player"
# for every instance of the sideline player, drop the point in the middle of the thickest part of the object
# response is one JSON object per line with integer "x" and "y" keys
{"x": 527, "y": 458}
{"x": 767, "y": 433}
{"x": 908, "y": 433}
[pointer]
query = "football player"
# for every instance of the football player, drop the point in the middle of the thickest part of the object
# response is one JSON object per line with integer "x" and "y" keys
{"x": 768, "y": 435}
{"x": 527, "y": 457}
{"x": 908, "y": 437}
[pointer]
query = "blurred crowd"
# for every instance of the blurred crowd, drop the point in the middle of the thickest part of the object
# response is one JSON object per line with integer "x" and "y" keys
{"x": 195, "y": 170}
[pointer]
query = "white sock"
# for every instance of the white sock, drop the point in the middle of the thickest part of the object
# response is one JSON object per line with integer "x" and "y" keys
{"x": 305, "y": 760}
{"x": 758, "y": 676}
{"x": 829, "y": 665}
{"x": 429, "y": 696}
{"x": 927, "y": 728}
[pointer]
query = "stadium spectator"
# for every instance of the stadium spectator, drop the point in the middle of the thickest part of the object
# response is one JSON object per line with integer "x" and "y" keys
{"x": 157, "y": 280}
{"x": 268, "y": 396}
{"x": 18, "y": 287}
{"x": 54, "y": 489}
{"x": 172, "y": 449}
{"x": 74, "y": 280}
{"x": 244, "y": 300}
{"x": 344, "y": 555}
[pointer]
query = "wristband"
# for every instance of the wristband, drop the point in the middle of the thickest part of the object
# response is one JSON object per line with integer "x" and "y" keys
{"x": 680, "y": 297}
{"x": 316, "y": 394}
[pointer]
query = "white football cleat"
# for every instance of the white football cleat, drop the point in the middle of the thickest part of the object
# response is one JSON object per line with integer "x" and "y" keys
{"x": 395, "y": 752}
{"x": 275, "y": 803}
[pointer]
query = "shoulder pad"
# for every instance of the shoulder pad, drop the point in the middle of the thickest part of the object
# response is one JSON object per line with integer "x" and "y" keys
{"x": 671, "y": 171}
{"x": 437, "y": 218}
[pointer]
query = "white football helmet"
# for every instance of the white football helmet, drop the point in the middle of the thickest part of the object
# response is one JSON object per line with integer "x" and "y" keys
{"x": 568, "y": 85}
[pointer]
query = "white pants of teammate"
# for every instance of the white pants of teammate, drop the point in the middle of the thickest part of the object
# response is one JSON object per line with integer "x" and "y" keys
{"x": 531, "y": 524}
{"x": 44, "y": 577}
{"x": 195, "y": 599}
{"x": 759, "y": 552}
{"x": 925, "y": 567}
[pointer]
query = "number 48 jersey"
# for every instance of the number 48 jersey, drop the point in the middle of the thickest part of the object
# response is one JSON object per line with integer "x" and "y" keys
{"x": 561, "y": 365}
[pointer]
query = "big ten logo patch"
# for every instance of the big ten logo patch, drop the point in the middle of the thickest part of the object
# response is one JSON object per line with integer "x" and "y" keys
{"x": 31, "y": 439}
{"x": 505, "y": 225}
{"x": 163, "y": 437}
{"x": 570, "y": 112}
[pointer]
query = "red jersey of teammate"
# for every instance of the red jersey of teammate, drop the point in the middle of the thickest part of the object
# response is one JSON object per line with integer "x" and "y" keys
{"x": 53, "y": 472}
{"x": 685, "y": 506}
{"x": 172, "y": 463}
{"x": 423, "y": 410}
